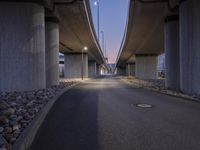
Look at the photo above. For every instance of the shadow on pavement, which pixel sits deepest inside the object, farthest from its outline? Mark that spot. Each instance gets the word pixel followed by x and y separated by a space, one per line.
pixel 72 122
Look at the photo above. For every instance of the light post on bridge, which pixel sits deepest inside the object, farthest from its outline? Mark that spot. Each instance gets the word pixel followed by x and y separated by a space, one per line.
pixel 85 48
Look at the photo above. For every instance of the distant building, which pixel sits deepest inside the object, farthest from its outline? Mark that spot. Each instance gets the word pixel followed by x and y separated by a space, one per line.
pixel 161 66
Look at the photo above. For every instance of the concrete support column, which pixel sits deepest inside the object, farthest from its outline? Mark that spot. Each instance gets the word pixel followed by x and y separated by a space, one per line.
pixel 22 46
pixel 98 69
pixel 172 60
pixel 146 66
pixel 101 70
pixel 190 46
pixel 104 70
pixel 73 63
pixel 130 69
pixel 52 51
pixel 121 71
pixel 92 70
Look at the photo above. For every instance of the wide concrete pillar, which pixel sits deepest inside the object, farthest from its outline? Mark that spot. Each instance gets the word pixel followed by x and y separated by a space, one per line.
pixel 73 65
pixel 172 60
pixel 104 70
pixel 130 69
pixel 52 51
pixel 190 46
pixel 121 71
pixel 92 70
pixel 146 66
pixel 98 69
pixel 22 46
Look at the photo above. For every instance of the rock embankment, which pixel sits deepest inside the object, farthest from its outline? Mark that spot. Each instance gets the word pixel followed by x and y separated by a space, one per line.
pixel 157 85
pixel 17 109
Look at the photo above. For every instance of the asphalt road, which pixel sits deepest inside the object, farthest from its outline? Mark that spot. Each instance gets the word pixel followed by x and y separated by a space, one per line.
pixel 101 114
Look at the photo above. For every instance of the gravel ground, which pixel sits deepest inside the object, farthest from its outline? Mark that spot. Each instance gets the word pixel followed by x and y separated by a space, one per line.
pixel 157 85
pixel 17 109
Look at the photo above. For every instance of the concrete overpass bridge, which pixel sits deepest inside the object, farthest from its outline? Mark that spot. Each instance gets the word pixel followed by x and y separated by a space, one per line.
pixel 32 34
pixel 157 26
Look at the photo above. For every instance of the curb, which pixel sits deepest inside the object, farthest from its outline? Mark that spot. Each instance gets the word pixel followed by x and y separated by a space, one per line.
pixel 160 92
pixel 26 138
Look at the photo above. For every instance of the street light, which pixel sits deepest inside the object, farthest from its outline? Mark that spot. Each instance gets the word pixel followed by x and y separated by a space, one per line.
pixel 85 48
pixel 96 3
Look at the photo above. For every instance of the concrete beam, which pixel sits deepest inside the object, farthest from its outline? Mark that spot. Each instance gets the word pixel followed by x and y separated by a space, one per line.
pixel 73 63
pixel 172 60
pixel 190 46
pixel 22 47
pixel 52 51
pixel 146 66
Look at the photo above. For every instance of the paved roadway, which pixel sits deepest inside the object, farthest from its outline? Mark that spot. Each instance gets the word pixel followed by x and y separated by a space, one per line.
pixel 101 114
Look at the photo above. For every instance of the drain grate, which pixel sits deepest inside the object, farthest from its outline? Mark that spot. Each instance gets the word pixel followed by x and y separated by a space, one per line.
pixel 144 105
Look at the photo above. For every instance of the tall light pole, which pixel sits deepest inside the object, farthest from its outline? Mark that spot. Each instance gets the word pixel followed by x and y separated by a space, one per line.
pixel 85 48
pixel 97 4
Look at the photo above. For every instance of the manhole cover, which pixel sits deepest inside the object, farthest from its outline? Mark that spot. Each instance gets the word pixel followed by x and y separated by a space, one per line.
pixel 144 105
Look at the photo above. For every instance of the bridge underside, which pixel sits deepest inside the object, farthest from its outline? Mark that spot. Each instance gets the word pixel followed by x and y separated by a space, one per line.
pixel 144 32
pixel 155 27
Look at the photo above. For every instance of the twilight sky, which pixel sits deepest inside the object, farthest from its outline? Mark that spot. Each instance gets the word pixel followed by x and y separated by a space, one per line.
pixel 113 14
